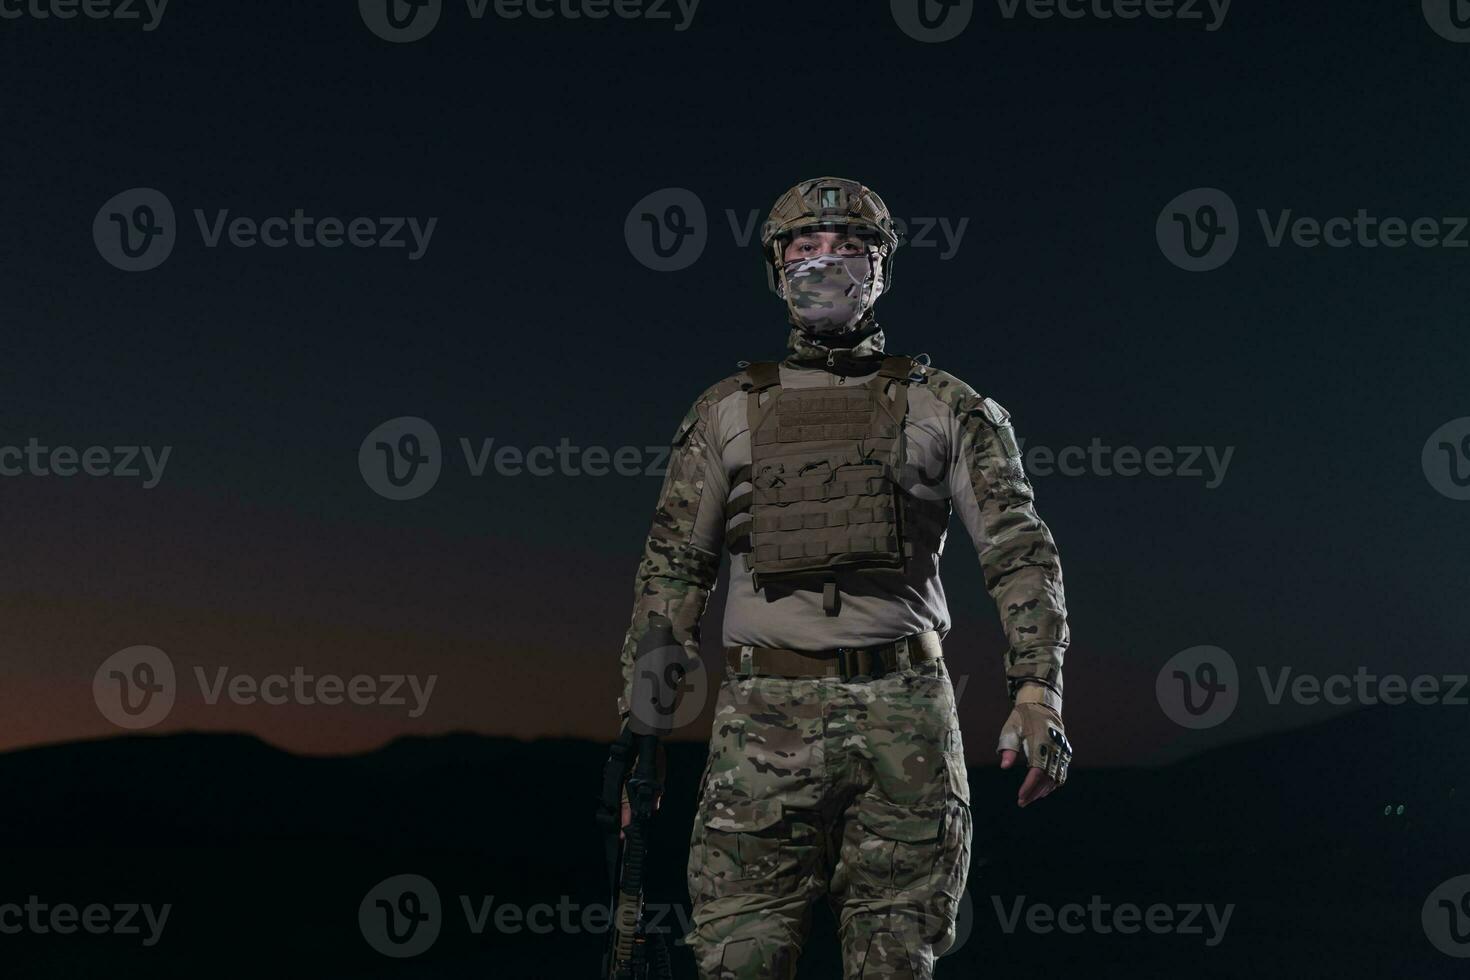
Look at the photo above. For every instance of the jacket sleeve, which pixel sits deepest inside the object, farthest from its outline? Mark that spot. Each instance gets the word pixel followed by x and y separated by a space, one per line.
pixel 1018 557
pixel 681 558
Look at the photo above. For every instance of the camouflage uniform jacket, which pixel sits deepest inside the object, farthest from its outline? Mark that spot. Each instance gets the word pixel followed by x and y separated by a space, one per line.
pixel 961 455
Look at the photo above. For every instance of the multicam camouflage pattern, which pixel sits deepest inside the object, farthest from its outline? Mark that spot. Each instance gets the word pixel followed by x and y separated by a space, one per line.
pixel 827 295
pixel 675 576
pixel 809 349
pixel 1023 572
pixel 828 202
pixel 856 791
pixel 1017 553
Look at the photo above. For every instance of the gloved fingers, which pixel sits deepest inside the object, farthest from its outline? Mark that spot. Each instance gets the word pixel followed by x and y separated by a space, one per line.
pixel 1012 734
pixel 1037 785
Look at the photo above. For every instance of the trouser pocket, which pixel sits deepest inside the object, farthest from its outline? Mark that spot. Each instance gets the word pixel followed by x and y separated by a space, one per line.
pixel 736 842
pixel 913 858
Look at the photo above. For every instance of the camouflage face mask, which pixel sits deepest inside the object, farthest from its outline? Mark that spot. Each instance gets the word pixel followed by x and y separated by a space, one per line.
pixel 829 294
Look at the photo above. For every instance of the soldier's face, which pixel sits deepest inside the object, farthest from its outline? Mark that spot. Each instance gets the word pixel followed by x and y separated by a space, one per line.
pixel 811 244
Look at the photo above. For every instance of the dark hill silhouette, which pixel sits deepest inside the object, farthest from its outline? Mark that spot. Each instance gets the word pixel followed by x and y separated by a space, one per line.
pixel 266 856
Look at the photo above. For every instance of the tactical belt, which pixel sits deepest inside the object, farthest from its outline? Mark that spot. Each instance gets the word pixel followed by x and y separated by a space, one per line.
pixel 848 663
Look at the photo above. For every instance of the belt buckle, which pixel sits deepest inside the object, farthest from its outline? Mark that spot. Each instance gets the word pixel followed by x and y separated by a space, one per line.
pixel 847 661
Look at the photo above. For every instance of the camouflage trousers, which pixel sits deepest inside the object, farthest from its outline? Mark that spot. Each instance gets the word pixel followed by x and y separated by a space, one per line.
pixel 855 791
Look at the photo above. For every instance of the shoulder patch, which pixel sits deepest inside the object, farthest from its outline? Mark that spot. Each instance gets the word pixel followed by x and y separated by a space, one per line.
pixel 707 400
pixel 993 412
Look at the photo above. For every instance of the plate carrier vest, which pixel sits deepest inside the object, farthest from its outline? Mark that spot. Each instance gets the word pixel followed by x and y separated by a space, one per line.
pixel 824 477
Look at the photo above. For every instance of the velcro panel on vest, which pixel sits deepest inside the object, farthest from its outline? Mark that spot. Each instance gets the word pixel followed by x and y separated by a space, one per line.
pixel 823 493
pixel 877 513
pixel 804 417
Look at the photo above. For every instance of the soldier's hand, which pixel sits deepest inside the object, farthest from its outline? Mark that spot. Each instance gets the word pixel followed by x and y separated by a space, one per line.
pixel 627 810
pixel 1037 783
pixel 1034 729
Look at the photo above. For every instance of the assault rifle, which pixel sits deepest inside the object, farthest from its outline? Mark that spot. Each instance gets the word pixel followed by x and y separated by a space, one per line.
pixel 633 952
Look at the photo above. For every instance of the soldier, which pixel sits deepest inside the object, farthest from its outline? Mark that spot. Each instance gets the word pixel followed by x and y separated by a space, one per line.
pixel 835 764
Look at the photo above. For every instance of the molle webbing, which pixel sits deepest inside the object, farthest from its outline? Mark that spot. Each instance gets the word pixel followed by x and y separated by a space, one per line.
pixel 823 468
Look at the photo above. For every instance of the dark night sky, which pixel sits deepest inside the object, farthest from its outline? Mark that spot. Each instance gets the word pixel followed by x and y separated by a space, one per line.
pixel 528 320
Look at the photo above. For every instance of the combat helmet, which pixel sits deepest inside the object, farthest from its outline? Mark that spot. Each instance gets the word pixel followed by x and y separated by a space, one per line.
pixel 828 203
